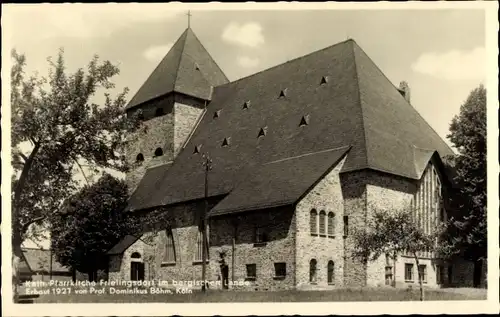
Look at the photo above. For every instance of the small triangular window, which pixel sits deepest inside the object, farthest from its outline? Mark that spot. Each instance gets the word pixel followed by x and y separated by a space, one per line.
pixel 226 142
pixel 196 66
pixel 197 149
pixel 304 121
pixel 324 80
pixel 283 93
pixel 262 132
pixel 216 114
pixel 246 105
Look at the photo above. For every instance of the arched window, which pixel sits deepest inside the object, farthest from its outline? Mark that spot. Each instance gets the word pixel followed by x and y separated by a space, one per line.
pixel 169 248
pixel 139 158
pixel 312 271
pixel 313 221
pixel 331 223
pixel 199 245
pixel 158 152
pixel 159 112
pixel 322 220
pixel 136 255
pixel 331 272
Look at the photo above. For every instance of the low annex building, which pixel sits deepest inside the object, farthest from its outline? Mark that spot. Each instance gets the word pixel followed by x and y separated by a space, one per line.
pixel 300 154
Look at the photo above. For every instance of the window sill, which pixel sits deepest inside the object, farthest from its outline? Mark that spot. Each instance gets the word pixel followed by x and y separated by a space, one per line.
pixel 197 262
pixel 259 244
pixel 331 284
pixel 323 235
pixel 250 279
pixel 314 234
pixel 279 278
pixel 331 237
pixel 313 283
pixel 409 281
pixel 164 264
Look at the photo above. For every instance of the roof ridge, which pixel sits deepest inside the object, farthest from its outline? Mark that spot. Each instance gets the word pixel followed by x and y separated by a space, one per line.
pixel 358 92
pixel 128 107
pixel 180 57
pixel 290 61
pixel 307 154
pixel 406 101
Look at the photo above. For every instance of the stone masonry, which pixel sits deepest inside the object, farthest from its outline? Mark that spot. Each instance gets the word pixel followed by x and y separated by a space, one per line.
pixel 327 196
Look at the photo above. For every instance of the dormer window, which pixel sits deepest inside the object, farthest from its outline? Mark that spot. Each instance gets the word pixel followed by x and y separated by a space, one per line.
pixel 158 152
pixel 196 67
pixel 304 121
pixel 226 142
pixel 283 93
pixel 159 112
pixel 262 132
pixel 217 114
pixel 246 105
pixel 324 80
pixel 197 149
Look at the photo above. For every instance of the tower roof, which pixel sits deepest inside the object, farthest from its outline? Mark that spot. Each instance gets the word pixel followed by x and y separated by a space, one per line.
pixel 187 68
pixel 357 107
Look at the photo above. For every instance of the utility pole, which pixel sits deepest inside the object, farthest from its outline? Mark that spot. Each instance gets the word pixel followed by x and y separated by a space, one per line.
pixel 207 163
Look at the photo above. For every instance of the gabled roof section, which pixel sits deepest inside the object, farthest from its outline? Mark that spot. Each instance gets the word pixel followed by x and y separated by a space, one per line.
pixel 280 182
pixel 187 68
pixel 39 260
pixel 123 244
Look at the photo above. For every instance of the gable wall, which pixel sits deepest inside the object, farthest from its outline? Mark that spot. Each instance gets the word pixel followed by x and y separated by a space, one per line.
pixel 326 195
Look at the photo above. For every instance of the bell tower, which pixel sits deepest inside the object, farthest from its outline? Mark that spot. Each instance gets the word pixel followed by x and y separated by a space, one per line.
pixel 170 103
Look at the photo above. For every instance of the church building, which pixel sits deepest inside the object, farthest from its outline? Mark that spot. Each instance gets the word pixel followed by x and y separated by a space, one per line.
pixel 299 155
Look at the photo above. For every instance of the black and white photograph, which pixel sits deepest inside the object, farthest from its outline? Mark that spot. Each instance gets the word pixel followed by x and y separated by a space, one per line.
pixel 249 154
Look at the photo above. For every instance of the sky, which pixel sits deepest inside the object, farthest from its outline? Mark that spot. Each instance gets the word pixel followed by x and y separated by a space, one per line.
pixel 440 53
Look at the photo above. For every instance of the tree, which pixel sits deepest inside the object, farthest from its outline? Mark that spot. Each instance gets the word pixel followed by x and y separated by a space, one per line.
pixel 90 223
pixel 392 233
pixel 57 129
pixel 467 227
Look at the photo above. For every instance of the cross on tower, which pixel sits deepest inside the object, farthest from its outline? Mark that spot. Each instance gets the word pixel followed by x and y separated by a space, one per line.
pixel 189 18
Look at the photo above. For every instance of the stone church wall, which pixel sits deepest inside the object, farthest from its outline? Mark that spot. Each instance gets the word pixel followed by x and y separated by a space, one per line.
pixel 279 225
pixel 327 196
pixel 119 265
pixel 354 194
pixel 154 132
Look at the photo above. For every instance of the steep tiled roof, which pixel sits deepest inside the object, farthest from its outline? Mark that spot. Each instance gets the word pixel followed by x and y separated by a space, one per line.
pixel 357 107
pixel 187 68
pixel 279 183
pixel 39 260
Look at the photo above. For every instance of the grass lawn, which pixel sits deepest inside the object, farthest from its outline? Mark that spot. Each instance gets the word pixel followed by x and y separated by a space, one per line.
pixel 339 295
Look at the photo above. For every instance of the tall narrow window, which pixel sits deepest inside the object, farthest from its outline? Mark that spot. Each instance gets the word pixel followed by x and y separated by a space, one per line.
pixel 439 274
pixel 313 222
pixel 422 273
pixel 312 271
pixel 331 224
pixel 169 248
pixel 409 272
pixel 388 275
pixel 199 246
pixel 331 272
pixel 322 220
pixel 346 226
